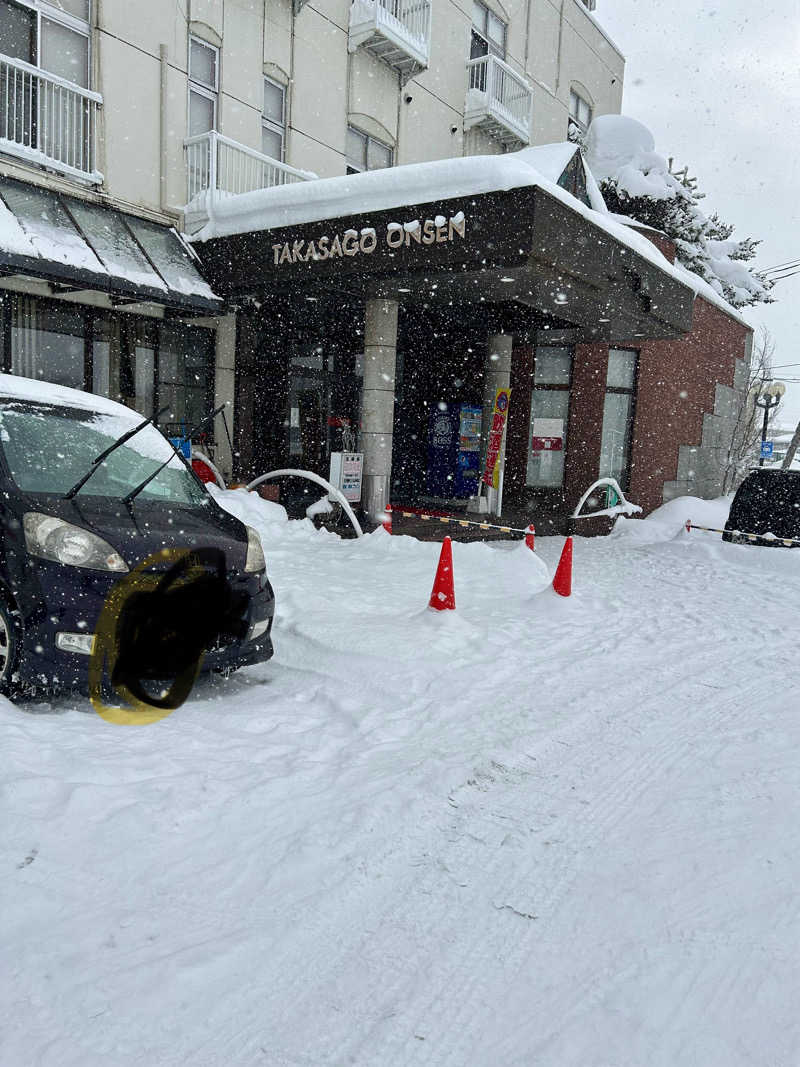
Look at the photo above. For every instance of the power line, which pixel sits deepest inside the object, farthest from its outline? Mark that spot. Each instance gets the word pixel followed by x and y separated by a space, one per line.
pixel 780 266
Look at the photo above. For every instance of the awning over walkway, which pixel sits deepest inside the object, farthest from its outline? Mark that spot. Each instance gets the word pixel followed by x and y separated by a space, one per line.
pixel 79 245
pixel 476 230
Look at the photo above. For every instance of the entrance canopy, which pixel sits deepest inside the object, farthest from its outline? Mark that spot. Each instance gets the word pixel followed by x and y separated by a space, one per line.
pixel 500 230
pixel 78 245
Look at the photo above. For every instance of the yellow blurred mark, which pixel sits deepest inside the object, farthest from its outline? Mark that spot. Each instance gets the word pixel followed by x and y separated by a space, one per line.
pixel 107 647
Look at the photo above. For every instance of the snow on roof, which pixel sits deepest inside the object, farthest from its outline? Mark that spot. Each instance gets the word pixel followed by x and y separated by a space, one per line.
pixel 381 190
pixel 445 179
pixel 35 223
pixel 12 236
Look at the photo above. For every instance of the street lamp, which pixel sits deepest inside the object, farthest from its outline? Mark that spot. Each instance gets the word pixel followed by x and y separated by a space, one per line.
pixel 768 398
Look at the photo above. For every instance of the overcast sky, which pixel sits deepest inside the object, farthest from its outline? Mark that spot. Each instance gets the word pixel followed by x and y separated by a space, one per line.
pixel 718 85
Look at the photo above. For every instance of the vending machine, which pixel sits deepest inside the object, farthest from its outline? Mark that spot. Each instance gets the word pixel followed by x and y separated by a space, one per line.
pixel 454 450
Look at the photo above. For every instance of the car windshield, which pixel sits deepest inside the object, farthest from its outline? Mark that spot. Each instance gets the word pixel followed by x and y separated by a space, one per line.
pixel 49 447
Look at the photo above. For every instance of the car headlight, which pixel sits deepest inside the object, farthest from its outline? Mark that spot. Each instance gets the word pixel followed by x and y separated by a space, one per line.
pixel 255 553
pixel 56 539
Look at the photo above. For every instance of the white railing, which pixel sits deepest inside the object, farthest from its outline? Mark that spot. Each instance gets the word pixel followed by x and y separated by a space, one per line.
pixel 217 164
pixel 47 120
pixel 497 88
pixel 407 23
pixel 410 18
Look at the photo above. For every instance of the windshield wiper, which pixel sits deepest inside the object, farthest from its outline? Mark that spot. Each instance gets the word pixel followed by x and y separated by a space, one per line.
pixel 107 452
pixel 195 429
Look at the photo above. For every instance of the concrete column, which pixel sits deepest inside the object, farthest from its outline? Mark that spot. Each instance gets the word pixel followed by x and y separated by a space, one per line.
pixel 496 375
pixel 377 409
pixel 224 391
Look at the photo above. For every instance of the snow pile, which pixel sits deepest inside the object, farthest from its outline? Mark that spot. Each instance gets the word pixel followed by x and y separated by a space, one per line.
pixel 622 150
pixel 669 521
pixel 636 181
pixel 253 510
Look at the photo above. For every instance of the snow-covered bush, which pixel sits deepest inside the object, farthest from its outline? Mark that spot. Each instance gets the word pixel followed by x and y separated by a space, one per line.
pixel 638 182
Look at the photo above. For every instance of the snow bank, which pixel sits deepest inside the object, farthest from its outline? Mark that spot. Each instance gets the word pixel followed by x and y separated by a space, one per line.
pixel 668 521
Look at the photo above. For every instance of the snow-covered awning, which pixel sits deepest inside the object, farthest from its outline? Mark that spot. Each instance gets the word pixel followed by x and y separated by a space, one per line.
pixel 77 244
pixel 528 231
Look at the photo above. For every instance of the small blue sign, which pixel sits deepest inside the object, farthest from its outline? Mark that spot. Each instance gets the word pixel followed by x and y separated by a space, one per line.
pixel 183 445
pixel 766 449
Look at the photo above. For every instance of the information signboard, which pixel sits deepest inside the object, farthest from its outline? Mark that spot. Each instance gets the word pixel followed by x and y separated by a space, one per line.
pixel 346 473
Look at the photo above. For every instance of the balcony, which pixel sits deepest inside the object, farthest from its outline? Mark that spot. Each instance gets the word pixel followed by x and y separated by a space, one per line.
pixel 396 31
pixel 216 166
pixel 498 100
pixel 48 121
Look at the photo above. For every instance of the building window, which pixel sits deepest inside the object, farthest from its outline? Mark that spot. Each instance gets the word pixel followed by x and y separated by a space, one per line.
pixel 580 114
pixel 37 114
pixel 618 412
pixel 203 86
pixel 51 36
pixel 488 33
pixel 366 153
pixel 185 377
pixel 47 341
pixel 273 122
pixel 549 415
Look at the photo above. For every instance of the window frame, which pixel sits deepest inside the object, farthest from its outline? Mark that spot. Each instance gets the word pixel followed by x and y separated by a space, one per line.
pixel 271 124
pixel 202 88
pixel 43 9
pixel 368 139
pixel 552 387
pixel 575 119
pixel 631 391
pixel 482 32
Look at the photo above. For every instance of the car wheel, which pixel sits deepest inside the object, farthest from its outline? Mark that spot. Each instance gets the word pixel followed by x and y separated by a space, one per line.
pixel 9 646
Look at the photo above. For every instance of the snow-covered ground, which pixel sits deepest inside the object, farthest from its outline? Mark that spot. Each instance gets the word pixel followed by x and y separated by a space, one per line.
pixel 531 832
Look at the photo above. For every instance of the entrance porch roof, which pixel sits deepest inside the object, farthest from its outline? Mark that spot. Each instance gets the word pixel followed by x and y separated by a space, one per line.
pixel 486 229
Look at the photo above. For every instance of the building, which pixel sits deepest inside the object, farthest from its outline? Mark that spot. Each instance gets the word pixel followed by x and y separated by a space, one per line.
pixel 127 128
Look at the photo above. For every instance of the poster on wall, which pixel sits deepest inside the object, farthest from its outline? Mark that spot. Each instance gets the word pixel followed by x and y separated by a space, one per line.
pixel 548 435
pixel 491 475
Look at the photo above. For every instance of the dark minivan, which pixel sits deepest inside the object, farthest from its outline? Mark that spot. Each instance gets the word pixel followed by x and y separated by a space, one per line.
pixel 767 504
pixel 88 491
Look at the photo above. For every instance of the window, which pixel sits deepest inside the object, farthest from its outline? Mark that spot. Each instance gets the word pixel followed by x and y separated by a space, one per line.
pixel 618 410
pixel 580 112
pixel 549 415
pixel 366 153
pixel 51 35
pixel 36 114
pixel 47 341
pixel 273 122
pixel 203 86
pixel 185 376
pixel 488 32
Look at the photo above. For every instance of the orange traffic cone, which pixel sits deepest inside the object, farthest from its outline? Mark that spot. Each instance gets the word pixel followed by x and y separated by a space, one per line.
pixel 443 596
pixel 386 521
pixel 530 537
pixel 562 583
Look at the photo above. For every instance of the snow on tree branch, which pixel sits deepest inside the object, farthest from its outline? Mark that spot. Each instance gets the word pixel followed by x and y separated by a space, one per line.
pixel 638 182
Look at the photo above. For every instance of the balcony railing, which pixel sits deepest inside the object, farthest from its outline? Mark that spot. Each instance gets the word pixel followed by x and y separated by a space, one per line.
pixel 498 99
pixel 396 31
pixel 217 166
pixel 49 121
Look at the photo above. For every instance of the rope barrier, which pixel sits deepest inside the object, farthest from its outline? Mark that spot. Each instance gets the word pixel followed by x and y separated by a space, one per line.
pixel 458 522
pixel 740 533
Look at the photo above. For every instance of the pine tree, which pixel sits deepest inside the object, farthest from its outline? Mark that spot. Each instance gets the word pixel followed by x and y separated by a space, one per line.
pixel 637 182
